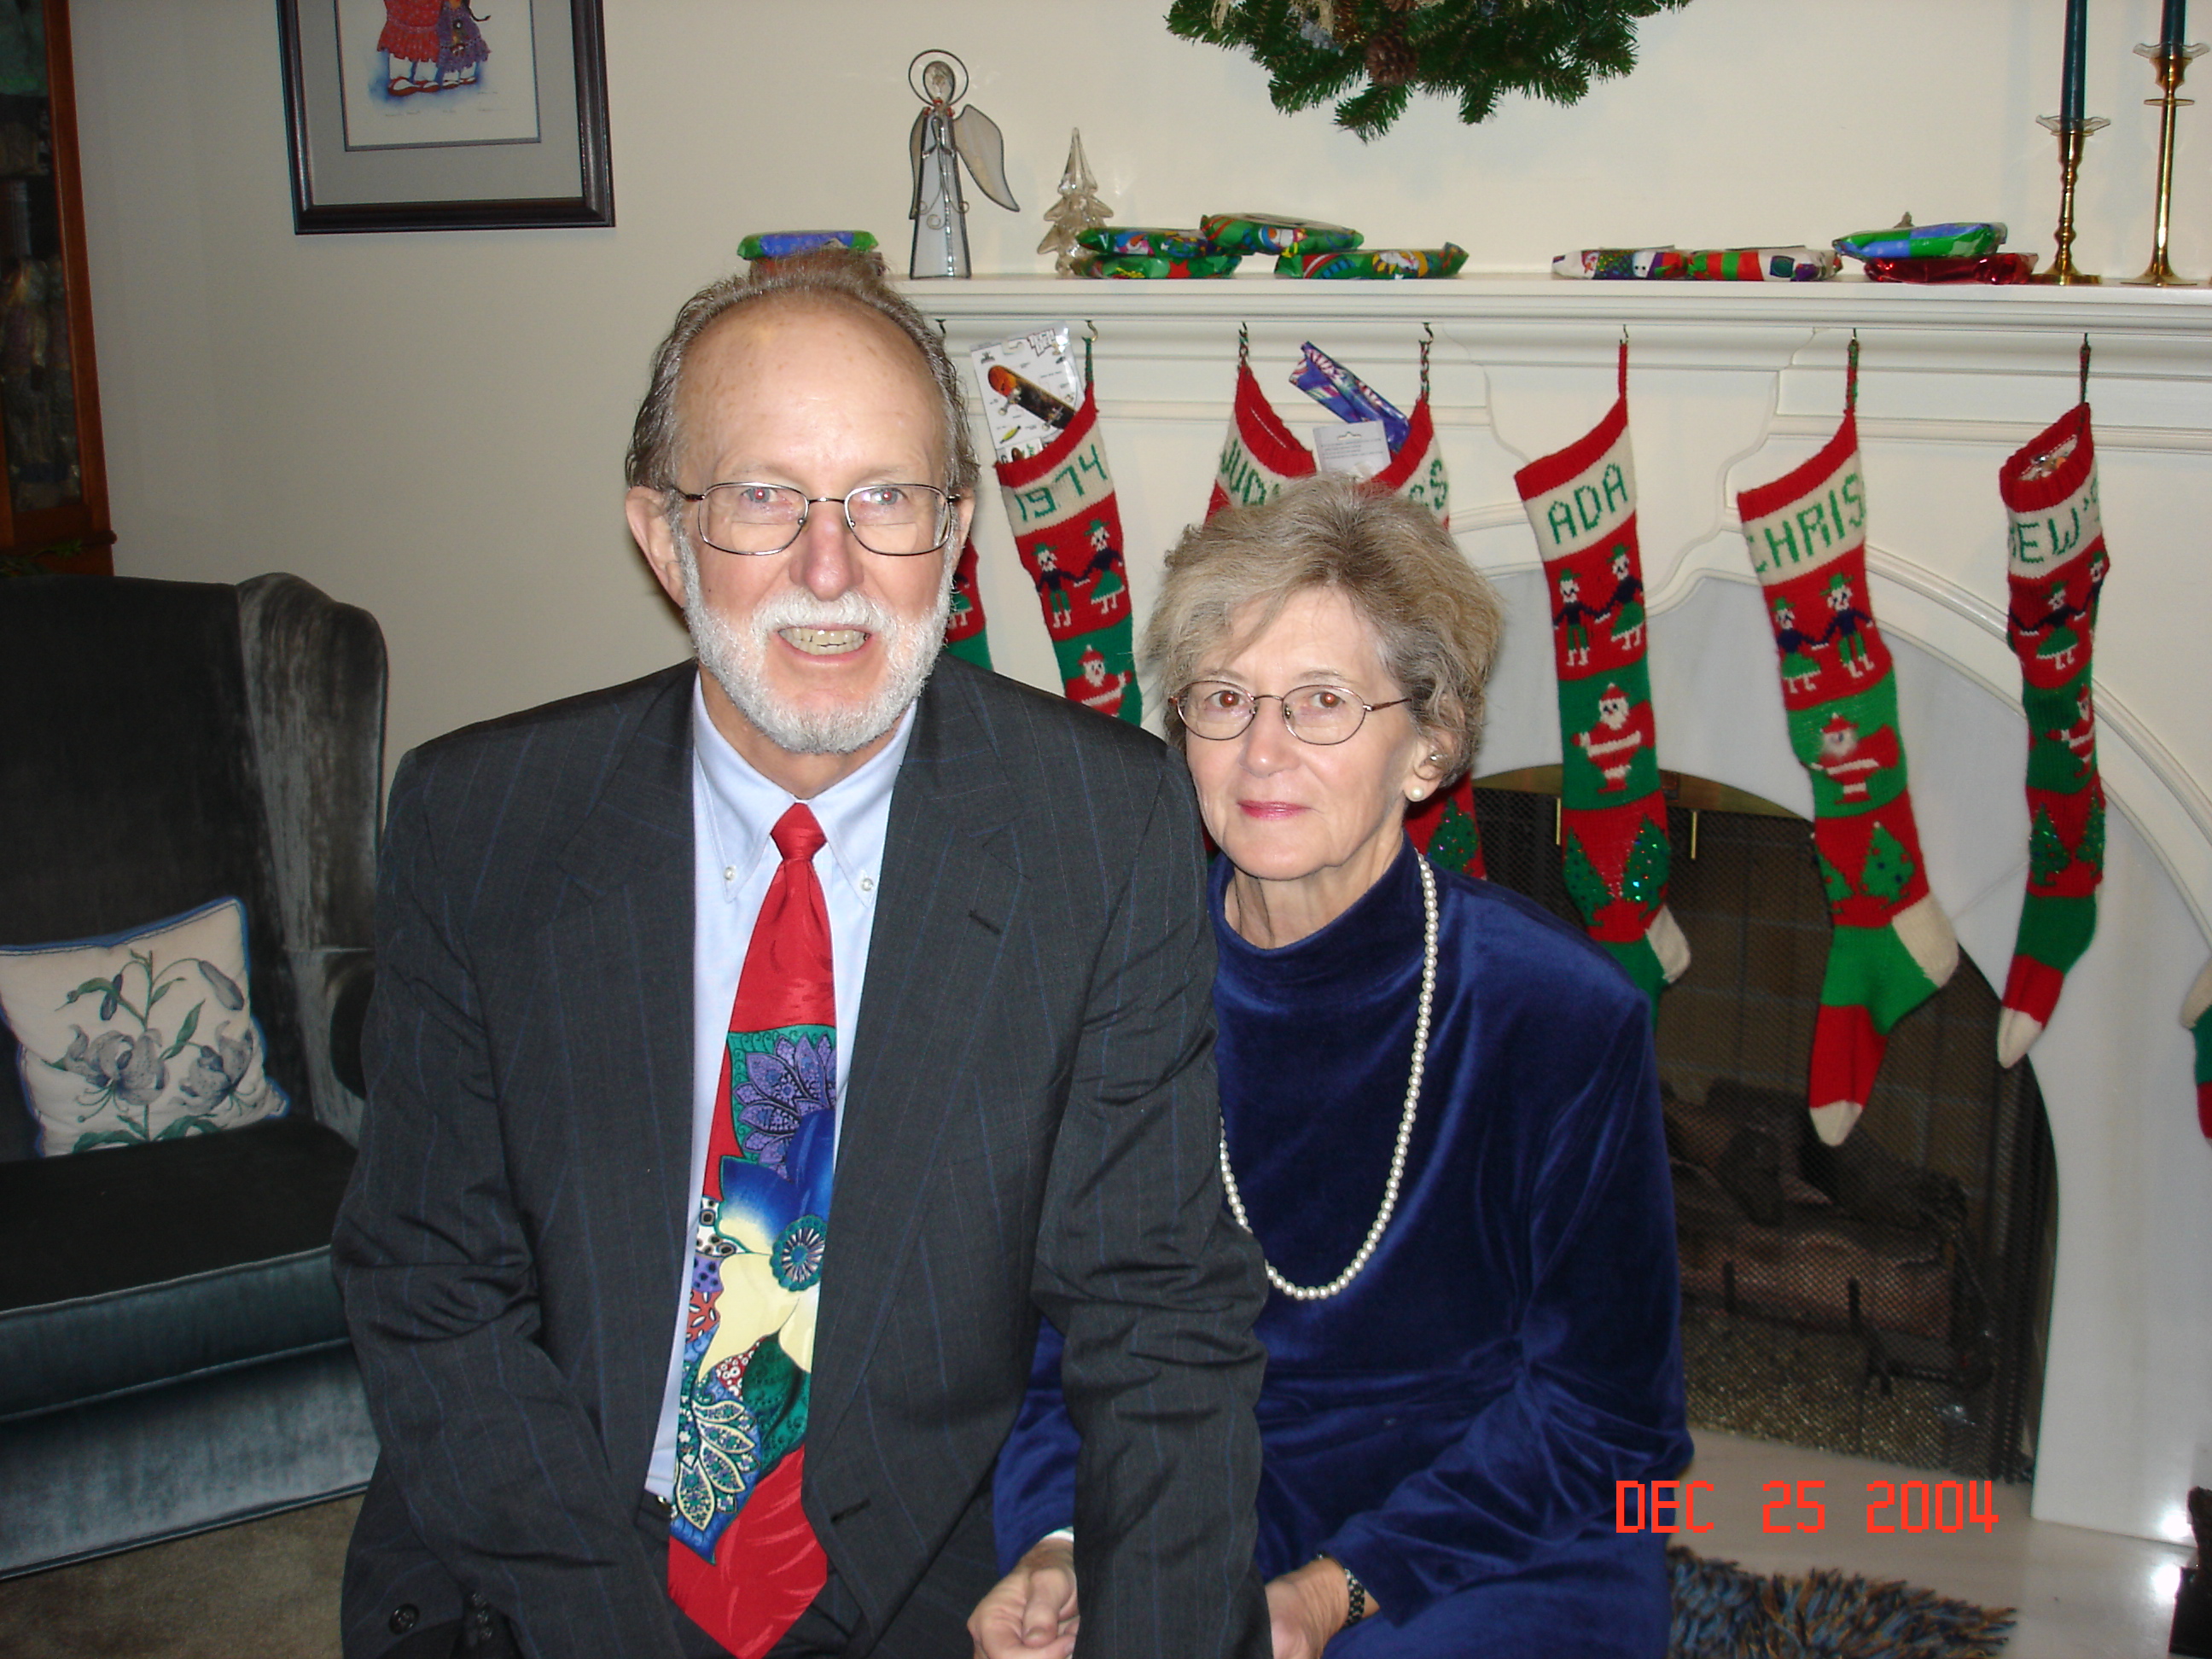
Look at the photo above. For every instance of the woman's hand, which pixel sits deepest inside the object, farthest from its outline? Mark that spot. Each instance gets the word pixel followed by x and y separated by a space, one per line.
pixel 1030 1612
pixel 1306 1607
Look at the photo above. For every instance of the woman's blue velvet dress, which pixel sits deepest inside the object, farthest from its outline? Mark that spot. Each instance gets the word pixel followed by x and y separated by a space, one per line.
pixel 1452 1425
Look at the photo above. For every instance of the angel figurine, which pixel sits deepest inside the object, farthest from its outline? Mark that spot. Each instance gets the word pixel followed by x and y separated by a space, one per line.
pixel 940 141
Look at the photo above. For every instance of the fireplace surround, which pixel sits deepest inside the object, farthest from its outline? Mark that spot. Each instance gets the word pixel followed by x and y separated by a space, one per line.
pixel 1732 385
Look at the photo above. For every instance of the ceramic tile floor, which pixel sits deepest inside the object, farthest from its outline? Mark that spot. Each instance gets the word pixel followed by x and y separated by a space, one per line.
pixel 2079 1594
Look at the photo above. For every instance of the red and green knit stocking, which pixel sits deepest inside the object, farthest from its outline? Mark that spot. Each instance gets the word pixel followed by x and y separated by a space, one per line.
pixel 2197 1019
pixel 2057 569
pixel 964 631
pixel 1067 529
pixel 1444 827
pixel 1894 947
pixel 1261 454
pixel 1582 502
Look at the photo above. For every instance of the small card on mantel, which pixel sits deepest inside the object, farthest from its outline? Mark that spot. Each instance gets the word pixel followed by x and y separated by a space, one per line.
pixel 1360 447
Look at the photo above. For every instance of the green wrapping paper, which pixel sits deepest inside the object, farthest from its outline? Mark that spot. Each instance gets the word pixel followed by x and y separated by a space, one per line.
pixel 1146 240
pixel 1264 232
pixel 1963 240
pixel 1141 266
pixel 1372 264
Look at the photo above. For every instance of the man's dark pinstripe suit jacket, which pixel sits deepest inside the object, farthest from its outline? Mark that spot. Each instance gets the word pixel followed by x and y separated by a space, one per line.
pixel 1029 1123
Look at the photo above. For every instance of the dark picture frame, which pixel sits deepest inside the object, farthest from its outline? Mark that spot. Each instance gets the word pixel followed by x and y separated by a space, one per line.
pixel 556 171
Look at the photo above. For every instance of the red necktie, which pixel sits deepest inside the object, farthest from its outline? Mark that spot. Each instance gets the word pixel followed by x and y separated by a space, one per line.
pixel 743 1561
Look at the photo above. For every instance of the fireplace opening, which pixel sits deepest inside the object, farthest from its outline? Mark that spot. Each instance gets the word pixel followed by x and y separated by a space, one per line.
pixel 1888 1299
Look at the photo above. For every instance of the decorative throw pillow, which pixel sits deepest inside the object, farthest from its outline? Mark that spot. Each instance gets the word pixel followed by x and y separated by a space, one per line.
pixel 147 1035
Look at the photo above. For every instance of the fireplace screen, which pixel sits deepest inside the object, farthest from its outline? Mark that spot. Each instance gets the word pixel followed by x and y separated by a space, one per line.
pixel 1886 1298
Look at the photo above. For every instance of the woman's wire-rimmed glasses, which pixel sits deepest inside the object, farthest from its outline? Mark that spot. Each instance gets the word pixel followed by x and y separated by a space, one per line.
pixel 1323 714
pixel 898 521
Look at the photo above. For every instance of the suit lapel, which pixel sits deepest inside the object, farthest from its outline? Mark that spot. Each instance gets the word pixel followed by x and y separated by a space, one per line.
pixel 949 887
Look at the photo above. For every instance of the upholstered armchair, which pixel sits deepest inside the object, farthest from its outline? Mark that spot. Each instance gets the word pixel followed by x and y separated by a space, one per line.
pixel 181 760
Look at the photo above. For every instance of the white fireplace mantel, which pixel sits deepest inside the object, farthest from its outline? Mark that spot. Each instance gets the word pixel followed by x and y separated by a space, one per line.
pixel 1730 385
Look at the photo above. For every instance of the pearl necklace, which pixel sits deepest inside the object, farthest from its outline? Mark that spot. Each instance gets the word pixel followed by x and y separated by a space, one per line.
pixel 1321 1293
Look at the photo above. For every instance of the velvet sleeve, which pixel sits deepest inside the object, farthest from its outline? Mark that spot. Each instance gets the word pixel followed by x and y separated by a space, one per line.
pixel 1598 1397
pixel 1033 1489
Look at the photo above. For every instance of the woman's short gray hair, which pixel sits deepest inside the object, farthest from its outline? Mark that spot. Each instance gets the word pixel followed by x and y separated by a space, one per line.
pixel 831 277
pixel 1435 617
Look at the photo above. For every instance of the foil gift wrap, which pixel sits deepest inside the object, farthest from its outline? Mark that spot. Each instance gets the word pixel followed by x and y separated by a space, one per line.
pixel 1759 264
pixel 1995 268
pixel 1345 395
pixel 1149 240
pixel 1140 266
pixel 1964 239
pixel 1266 233
pixel 783 244
pixel 1373 264
pixel 1618 264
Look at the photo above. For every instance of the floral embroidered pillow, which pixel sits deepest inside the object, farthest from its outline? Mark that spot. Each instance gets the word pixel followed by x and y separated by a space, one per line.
pixel 143 1036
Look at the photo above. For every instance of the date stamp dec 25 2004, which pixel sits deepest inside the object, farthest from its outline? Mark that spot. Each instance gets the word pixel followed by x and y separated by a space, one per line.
pixel 1803 1506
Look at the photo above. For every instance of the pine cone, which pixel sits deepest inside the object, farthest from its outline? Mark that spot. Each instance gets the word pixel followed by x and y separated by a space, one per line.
pixel 1390 59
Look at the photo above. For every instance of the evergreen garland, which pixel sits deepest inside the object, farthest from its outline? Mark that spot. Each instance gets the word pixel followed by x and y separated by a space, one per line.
pixel 1473 51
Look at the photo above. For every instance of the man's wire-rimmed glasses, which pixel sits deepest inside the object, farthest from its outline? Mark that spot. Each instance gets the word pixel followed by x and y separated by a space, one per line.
pixel 898 521
pixel 1322 714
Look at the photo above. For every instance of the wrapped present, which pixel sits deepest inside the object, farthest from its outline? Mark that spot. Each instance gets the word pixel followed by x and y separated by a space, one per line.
pixel 1264 232
pixel 1373 264
pixel 1140 265
pixel 1146 241
pixel 1345 395
pixel 770 245
pixel 1620 265
pixel 1963 240
pixel 1759 264
pixel 1999 268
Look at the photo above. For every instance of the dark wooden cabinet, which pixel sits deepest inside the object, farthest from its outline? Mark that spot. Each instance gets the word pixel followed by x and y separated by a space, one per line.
pixel 53 510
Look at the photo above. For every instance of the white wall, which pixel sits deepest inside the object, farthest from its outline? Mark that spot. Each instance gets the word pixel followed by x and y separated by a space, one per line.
pixel 431 425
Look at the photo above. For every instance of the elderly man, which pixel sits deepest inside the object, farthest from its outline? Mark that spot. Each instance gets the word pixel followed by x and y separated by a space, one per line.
pixel 756 1052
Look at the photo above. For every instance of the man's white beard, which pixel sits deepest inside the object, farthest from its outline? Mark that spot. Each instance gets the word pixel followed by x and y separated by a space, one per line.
pixel 737 659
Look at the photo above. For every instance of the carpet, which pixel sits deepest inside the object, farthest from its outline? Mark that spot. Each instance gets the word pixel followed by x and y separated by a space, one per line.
pixel 1721 1612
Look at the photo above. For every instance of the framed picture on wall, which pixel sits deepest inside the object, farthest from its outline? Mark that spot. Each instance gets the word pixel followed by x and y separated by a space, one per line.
pixel 445 114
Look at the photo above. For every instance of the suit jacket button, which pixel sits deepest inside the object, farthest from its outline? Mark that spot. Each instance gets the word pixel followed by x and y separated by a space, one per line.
pixel 404 1618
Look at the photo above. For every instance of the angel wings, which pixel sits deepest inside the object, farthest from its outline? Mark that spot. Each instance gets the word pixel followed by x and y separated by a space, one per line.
pixel 939 141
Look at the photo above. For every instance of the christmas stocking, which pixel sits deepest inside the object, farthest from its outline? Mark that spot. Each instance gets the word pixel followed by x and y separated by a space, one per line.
pixel 1894 947
pixel 1067 529
pixel 964 629
pixel 1445 828
pixel 2057 569
pixel 1582 502
pixel 1262 455
pixel 2197 1018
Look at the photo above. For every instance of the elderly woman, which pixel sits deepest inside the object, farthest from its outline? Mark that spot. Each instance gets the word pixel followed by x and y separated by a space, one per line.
pixel 1440 1122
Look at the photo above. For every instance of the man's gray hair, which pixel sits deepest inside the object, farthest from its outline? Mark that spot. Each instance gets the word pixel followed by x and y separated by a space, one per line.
pixel 831 277
pixel 1435 617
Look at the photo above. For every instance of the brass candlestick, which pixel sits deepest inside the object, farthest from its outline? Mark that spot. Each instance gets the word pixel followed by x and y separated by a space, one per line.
pixel 2072 135
pixel 2171 65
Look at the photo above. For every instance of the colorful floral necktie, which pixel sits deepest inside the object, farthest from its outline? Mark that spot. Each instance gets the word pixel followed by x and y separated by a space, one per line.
pixel 742 1562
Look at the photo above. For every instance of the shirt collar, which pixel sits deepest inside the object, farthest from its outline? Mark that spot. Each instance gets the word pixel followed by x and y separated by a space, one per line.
pixel 854 812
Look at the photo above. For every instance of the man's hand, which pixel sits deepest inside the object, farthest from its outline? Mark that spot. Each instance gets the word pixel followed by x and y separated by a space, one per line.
pixel 1030 1612
pixel 1306 1607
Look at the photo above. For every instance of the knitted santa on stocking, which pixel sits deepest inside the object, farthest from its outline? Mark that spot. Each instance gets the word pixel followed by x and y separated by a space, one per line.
pixel 1262 455
pixel 1582 502
pixel 2057 569
pixel 1067 529
pixel 1894 947
pixel 964 629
